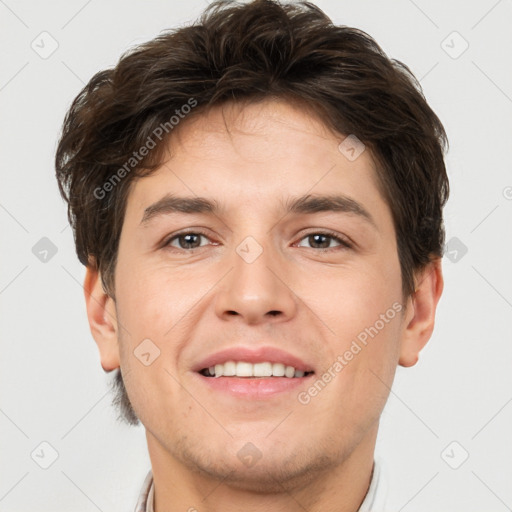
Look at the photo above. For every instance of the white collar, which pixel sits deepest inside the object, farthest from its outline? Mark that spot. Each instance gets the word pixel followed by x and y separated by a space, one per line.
pixel 375 499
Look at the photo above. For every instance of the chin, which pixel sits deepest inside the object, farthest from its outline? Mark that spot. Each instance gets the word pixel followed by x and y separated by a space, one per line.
pixel 266 471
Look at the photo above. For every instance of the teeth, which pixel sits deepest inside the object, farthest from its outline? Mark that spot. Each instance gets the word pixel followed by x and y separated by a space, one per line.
pixel 289 371
pixel 262 369
pixel 278 370
pixel 245 369
pixel 242 369
pixel 229 369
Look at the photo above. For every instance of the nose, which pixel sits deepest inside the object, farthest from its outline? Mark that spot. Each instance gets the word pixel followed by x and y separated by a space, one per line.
pixel 256 292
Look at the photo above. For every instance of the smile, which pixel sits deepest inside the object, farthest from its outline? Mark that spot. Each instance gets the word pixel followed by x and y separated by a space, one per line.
pixel 250 370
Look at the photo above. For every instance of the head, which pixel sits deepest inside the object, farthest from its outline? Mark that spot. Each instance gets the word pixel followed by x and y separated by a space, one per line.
pixel 260 178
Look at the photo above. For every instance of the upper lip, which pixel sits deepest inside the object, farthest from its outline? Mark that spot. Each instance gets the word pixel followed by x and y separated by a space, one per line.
pixel 251 355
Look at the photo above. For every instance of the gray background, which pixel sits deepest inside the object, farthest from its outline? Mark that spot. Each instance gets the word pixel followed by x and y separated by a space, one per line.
pixel 53 389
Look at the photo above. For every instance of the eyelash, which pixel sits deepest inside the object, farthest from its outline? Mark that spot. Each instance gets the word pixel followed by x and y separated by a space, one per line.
pixel 344 243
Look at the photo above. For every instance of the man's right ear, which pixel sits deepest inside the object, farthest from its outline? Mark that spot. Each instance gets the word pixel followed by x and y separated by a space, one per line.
pixel 101 313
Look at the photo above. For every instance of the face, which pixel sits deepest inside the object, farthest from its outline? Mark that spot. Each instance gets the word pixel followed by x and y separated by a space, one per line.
pixel 258 241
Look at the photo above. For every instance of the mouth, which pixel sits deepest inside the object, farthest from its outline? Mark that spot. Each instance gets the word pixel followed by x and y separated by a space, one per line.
pixel 246 373
pixel 260 370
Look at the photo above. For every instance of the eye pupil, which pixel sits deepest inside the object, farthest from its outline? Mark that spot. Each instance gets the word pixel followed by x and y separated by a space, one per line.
pixel 190 240
pixel 322 241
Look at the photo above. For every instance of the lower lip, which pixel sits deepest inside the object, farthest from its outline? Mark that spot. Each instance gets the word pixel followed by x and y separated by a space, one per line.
pixel 262 387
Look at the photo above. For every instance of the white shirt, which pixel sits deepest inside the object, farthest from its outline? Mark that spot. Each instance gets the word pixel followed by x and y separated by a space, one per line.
pixel 373 502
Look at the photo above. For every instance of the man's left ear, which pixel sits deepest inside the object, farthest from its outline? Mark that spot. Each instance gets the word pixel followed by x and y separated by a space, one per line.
pixel 421 312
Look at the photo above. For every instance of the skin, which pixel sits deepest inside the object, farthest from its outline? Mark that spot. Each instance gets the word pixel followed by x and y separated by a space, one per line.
pixel 192 303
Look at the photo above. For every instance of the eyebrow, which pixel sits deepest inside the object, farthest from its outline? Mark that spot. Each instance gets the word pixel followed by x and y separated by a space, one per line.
pixel 172 204
pixel 329 203
pixel 300 205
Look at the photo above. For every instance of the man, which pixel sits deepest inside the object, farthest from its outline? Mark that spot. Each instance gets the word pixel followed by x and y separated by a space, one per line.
pixel 258 201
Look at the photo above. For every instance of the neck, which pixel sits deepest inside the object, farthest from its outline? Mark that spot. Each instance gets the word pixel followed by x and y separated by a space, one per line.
pixel 343 487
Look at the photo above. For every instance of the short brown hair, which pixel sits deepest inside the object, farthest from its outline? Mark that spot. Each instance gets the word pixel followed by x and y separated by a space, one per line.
pixel 249 52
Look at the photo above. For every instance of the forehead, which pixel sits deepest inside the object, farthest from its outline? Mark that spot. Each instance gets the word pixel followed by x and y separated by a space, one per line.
pixel 256 154
pixel 256 133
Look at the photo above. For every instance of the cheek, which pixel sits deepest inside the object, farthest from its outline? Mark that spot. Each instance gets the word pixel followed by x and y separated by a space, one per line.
pixel 369 345
pixel 348 301
pixel 361 310
pixel 150 297
pixel 147 360
pixel 364 360
pixel 159 304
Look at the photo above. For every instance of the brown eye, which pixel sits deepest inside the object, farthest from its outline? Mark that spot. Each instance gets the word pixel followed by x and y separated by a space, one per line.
pixel 323 241
pixel 186 241
pixel 319 241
